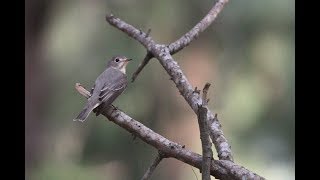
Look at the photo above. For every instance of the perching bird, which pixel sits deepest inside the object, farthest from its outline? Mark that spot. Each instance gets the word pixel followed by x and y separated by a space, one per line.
pixel 108 86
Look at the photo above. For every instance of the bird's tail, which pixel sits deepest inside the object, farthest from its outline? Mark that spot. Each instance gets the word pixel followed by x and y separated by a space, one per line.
pixel 85 113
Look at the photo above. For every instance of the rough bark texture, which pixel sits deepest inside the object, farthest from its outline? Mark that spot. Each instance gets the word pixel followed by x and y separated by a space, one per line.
pixel 219 168
pixel 205 141
pixel 224 168
pixel 162 53
pixel 219 140
pixel 204 136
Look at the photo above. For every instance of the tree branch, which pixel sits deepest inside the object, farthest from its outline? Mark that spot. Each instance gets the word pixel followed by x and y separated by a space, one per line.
pixel 220 141
pixel 186 39
pixel 162 53
pixel 153 166
pixel 138 35
pixel 223 168
pixel 133 32
pixel 220 169
pixel 142 65
pixel 82 90
pixel 174 47
pixel 193 99
pixel 204 135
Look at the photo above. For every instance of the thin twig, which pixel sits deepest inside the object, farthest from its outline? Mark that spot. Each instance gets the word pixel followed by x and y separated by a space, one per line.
pixel 148 33
pixel 219 169
pixel 150 170
pixel 187 38
pixel 142 65
pixel 204 135
pixel 194 173
pixel 196 90
pixel 205 94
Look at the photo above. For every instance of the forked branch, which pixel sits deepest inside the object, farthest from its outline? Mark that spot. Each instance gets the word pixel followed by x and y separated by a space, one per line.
pixel 219 168
pixel 224 168
pixel 162 53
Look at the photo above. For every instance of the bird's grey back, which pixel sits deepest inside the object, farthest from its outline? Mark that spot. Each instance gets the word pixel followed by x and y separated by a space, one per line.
pixel 111 78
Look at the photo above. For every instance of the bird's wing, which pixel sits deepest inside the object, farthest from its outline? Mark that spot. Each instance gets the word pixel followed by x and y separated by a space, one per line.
pixel 111 90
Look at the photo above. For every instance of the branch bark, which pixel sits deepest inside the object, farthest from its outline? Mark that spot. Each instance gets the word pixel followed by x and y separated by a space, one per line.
pixel 150 170
pixel 224 168
pixel 131 31
pixel 220 141
pixel 193 99
pixel 142 65
pixel 219 168
pixel 162 53
pixel 174 47
pixel 187 38
pixel 204 135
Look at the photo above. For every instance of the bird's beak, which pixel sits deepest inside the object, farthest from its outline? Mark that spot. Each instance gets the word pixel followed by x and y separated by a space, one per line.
pixel 127 60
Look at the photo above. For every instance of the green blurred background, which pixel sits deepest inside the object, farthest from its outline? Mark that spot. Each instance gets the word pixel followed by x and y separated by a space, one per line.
pixel 247 55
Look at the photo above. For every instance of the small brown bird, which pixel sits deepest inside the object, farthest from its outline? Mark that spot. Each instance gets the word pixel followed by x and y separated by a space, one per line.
pixel 108 86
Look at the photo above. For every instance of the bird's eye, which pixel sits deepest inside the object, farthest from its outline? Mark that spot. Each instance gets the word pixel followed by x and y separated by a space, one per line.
pixel 117 60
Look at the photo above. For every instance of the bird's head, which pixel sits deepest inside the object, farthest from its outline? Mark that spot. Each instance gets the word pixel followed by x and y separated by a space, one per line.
pixel 119 62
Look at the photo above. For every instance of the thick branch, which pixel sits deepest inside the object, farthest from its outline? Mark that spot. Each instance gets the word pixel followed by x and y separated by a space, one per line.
pixel 162 53
pixel 174 47
pixel 219 169
pixel 186 39
pixel 193 99
pixel 153 166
